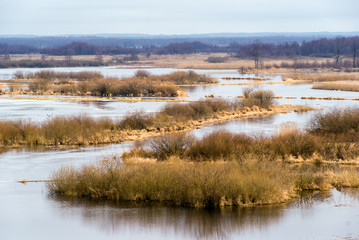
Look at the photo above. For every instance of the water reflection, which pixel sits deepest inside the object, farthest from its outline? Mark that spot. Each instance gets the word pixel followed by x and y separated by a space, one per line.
pixel 184 223
pixel 265 222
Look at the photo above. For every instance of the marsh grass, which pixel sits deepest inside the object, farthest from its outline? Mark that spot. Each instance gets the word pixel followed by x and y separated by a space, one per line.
pixel 291 144
pixel 338 122
pixel 197 184
pixel 143 84
pixel 71 130
pixel 82 129
pixel 260 98
pixel 338 85
pixel 200 109
pixel 185 78
pixel 324 77
pixel 178 183
pixel 136 120
pixel 226 146
pixel 220 145
pixel 170 145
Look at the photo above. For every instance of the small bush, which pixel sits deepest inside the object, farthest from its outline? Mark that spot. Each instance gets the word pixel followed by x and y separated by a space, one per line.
pixel 217 59
pixel 170 145
pixel 142 73
pixel 46 75
pixel 293 142
pixel 19 74
pixel 338 122
pixel 39 85
pixel 260 98
pixel 136 120
pixel 220 145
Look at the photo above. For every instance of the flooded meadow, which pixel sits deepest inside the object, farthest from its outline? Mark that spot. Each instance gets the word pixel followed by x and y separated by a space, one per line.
pixel 28 211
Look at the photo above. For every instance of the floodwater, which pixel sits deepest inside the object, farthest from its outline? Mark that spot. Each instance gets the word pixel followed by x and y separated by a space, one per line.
pixel 27 211
pixel 40 110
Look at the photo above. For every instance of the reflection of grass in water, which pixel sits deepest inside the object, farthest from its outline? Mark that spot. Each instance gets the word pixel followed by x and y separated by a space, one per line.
pixel 189 223
pixel 122 217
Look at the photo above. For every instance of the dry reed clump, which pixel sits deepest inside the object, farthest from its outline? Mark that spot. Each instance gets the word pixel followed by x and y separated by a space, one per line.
pixel 52 75
pixel 226 146
pixel 92 83
pixel 166 146
pixel 338 85
pixel 347 177
pixel 177 183
pixel 290 144
pixel 220 145
pixel 185 78
pixel 324 77
pixel 136 120
pixel 291 141
pixel 309 177
pixel 260 98
pixel 338 122
pixel 75 130
pixel 198 184
pixel 195 110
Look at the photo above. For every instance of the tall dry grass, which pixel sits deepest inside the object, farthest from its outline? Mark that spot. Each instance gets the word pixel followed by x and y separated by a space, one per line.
pixel 143 84
pixel 336 121
pixel 176 183
pixel 67 130
pixel 318 143
pixel 260 98
pixel 338 85
pixel 203 184
pixel 325 77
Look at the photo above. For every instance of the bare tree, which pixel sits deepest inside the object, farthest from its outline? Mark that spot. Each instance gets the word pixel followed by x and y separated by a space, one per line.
pixel 99 57
pixel 43 57
pixel 339 49
pixel 6 57
pixel 255 53
pixel 354 49
pixel 68 58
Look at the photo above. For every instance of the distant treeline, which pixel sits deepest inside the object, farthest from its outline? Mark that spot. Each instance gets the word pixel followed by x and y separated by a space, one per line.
pixel 50 63
pixel 323 47
pixel 140 40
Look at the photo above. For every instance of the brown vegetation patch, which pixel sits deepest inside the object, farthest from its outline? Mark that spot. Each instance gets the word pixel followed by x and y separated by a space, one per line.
pixel 323 77
pixel 84 130
pixel 143 84
pixel 204 184
pixel 338 85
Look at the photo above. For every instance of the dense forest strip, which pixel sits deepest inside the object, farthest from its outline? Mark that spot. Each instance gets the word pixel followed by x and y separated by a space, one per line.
pixel 323 47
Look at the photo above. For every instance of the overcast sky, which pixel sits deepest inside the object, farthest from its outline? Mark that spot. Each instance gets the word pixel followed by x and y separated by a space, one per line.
pixel 54 17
